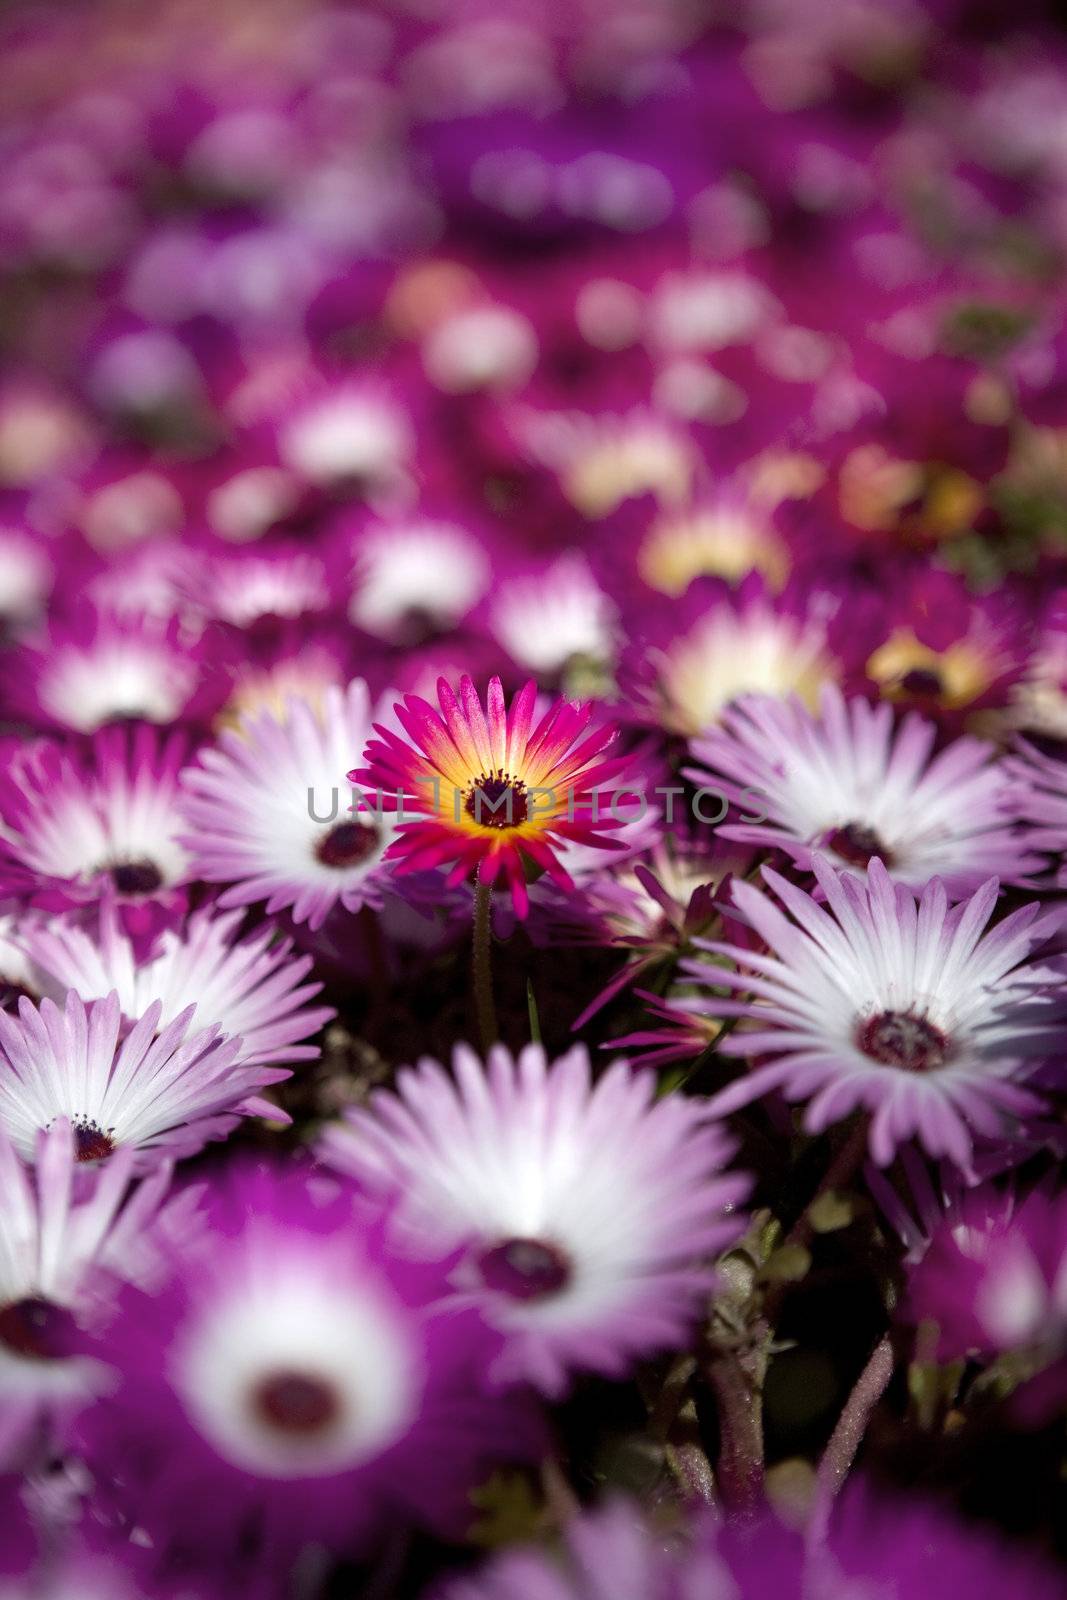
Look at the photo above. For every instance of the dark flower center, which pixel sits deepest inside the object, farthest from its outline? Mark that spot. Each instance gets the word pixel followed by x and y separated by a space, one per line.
pixel 857 844
pixel 296 1402
pixel 91 1143
pixel 524 1269
pixel 36 1328
pixel 136 877
pixel 923 682
pixel 902 1039
pixel 11 994
pixel 347 845
pixel 497 800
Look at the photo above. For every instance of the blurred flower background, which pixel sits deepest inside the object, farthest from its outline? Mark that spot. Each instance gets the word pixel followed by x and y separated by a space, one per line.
pixel 533 799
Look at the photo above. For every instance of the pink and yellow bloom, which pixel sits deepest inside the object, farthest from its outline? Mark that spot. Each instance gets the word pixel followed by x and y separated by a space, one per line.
pixel 493 791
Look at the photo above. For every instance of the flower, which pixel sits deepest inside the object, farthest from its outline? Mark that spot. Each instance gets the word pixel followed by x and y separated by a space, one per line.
pixel 289 1366
pixel 96 825
pixel 589 1214
pixel 940 648
pixel 1041 802
pixel 480 347
pixel 162 1091
pixel 344 432
pixel 261 810
pixel 242 589
pixel 546 619
pixel 249 988
pixel 993 1277
pixel 906 1008
pixel 851 784
pixel 26 575
pixel 604 460
pixel 497 791
pixel 1039 699
pixel 64 1234
pixel 408 570
pixel 108 665
pixel 734 646
pixel 726 537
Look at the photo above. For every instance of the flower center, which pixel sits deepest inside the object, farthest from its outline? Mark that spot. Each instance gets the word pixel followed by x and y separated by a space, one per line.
pixel 36 1328
pixel 923 682
pixel 497 800
pixel 91 1142
pixel 347 845
pixel 11 993
pixel 136 877
pixel 296 1402
pixel 525 1269
pixel 902 1039
pixel 857 844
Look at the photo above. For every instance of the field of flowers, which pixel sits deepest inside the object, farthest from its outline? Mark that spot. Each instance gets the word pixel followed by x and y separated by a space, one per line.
pixel 533 800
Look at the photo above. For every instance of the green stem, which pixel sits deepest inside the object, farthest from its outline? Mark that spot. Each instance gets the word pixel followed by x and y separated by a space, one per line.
pixel 483 975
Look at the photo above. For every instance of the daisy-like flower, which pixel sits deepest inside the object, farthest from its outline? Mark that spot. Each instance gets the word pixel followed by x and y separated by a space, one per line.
pixel 16 974
pixel 547 619
pixel 495 791
pixel 241 589
pixel 263 812
pixel 26 576
pixel 728 537
pixel 411 571
pixel 1042 803
pixel 157 1090
pixel 64 1233
pixel 251 988
pixel 296 671
pixel 345 432
pixel 96 826
pixel 106 666
pixel 993 1274
pixel 852 784
pixel 603 461
pixel 588 1214
pixel 292 1371
pixel 707 310
pixel 734 647
pixel 1040 697
pixel 911 1010
pixel 480 347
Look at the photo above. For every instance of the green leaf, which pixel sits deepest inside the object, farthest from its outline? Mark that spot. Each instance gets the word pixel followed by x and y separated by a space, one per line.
pixel 511 1511
pixel 531 1008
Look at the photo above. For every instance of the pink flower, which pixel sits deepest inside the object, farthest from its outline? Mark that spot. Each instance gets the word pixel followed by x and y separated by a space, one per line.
pixel 497 793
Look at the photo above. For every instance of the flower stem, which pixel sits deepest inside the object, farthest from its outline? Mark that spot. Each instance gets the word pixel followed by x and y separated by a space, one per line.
pixel 848 1434
pixel 483 975
pixel 736 1380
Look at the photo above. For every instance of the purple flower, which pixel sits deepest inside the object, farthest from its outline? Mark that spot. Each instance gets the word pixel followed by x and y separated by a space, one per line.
pixel 695 661
pixel 850 783
pixel 250 988
pixel 589 1214
pixel 993 1277
pixel 67 1237
pixel 98 825
pixel 161 1091
pixel 911 1010
pixel 289 1368
pixel 1041 801
pixel 268 813
pixel 413 570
